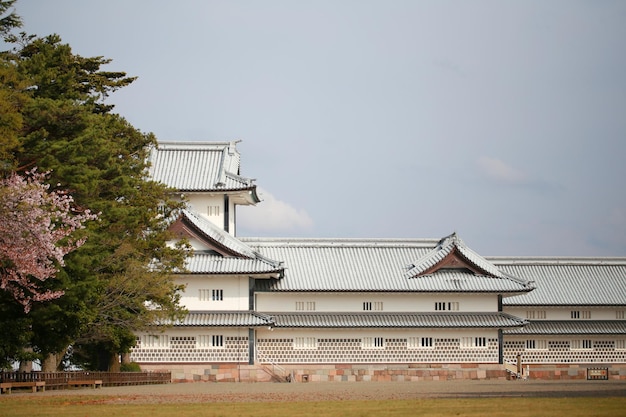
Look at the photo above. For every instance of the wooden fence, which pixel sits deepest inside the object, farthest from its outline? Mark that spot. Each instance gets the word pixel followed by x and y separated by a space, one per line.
pixel 56 380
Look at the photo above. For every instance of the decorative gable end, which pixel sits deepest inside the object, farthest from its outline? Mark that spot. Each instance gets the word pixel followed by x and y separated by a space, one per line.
pixel 452 255
pixel 455 260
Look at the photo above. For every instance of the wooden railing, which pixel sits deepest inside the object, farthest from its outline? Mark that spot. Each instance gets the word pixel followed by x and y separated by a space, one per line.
pixel 61 379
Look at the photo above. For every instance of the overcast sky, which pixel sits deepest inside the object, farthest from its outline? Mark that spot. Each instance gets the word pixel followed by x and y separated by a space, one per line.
pixel 504 121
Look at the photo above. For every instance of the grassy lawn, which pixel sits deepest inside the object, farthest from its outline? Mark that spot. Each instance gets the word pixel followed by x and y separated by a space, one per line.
pixel 32 406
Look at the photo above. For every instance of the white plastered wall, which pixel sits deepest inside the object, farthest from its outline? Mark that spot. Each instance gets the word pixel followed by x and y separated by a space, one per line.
pixel 395 302
pixel 235 290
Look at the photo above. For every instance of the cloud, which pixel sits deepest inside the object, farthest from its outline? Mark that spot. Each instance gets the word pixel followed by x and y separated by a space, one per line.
pixel 273 215
pixel 499 171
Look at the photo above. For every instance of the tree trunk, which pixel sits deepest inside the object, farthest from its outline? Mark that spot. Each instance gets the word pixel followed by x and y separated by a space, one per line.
pixel 114 363
pixel 51 362
pixel 26 366
pixel 125 358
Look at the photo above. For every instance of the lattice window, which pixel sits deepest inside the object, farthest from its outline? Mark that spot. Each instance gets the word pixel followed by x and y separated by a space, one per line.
pixel 213 210
pixel 620 344
pixel 305 305
pixel 373 343
pixel 373 305
pixel 532 344
pixel 155 341
pixel 217 295
pixel 536 314
pixel 446 306
pixel 474 342
pixel 420 343
pixel 305 343
pixel 210 341
pixel 577 314
pixel 581 344
pixel 204 294
pixel 620 314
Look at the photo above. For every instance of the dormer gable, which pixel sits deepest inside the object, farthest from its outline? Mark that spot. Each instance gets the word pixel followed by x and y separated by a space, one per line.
pixel 452 255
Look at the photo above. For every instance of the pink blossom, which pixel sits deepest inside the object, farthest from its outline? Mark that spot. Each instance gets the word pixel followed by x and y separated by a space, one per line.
pixel 36 227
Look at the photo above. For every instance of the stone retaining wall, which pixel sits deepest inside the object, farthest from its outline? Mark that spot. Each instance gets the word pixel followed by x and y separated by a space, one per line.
pixel 232 372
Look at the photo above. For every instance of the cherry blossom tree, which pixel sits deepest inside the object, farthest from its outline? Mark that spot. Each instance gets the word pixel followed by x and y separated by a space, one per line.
pixel 36 231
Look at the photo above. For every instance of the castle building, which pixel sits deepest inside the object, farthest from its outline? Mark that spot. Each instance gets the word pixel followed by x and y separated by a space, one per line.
pixel 265 309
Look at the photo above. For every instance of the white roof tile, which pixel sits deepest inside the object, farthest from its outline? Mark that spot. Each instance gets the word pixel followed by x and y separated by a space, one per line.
pixel 579 327
pixel 367 265
pixel 198 166
pixel 396 320
pixel 569 281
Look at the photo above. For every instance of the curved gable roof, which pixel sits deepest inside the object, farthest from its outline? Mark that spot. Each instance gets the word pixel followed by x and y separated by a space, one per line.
pixel 451 254
pixel 234 256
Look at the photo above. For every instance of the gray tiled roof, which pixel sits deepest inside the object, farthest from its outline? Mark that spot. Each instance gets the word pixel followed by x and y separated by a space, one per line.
pixel 249 261
pixel 198 166
pixel 580 327
pixel 210 263
pixel 397 320
pixel 223 318
pixel 451 244
pixel 375 265
pixel 569 281
pixel 218 235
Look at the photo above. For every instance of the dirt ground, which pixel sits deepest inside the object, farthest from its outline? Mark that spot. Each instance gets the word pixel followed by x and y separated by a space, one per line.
pixel 328 391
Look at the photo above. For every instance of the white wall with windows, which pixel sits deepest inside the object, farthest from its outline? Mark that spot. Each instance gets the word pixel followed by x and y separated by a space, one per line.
pixel 567 313
pixel 390 302
pixel 217 293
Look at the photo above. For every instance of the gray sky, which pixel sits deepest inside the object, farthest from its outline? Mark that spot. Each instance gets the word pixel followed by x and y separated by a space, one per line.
pixel 504 121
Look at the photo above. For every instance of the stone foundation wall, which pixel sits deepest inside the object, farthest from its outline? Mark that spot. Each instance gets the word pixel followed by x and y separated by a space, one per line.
pixel 574 371
pixel 232 372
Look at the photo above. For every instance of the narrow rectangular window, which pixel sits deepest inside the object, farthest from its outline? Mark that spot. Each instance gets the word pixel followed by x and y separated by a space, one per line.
pixel 541 315
pixel 467 342
pixel 578 344
pixel 373 343
pixel 480 342
pixel 155 341
pixel 310 305
pixel 620 344
pixel 446 306
pixel 419 342
pixel 620 314
pixel 217 340
pixel 204 294
pixel 299 305
pixel 305 343
pixel 585 315
pixel 575 314
pixel 213 210
pixel 531 344
pixel 367 305
pixel 217 295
